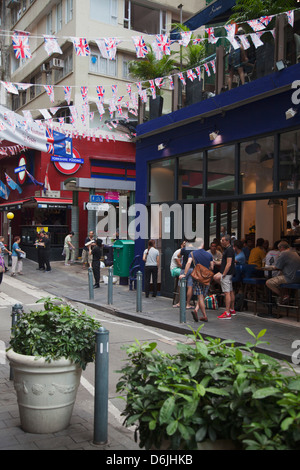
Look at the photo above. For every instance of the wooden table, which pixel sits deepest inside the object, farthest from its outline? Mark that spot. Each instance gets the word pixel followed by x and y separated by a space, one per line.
pixel 270 270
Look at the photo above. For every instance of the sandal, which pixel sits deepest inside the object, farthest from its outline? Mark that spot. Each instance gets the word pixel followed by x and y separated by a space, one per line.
pixel 195 315
pixel 203 319
pixel 177 305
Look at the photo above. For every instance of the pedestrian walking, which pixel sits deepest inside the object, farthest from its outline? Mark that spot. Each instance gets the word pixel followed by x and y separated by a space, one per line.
pixel 2 264
pixel 151 259
pixel 17 263
pixel 86 256
pixel 224 277
pixel 95 250
pixel 39 247
pixel 46 252
pixel 69 249
pixel 3 251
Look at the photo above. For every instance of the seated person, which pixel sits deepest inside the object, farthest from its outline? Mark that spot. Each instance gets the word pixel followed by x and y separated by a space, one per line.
pixel 296 227
pixel 257 254
pixel 288 262
pixel 271 257
pixel 175 265
pixel 240 257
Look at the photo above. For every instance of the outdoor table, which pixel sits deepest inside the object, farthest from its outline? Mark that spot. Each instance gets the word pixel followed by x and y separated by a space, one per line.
pixel 270 270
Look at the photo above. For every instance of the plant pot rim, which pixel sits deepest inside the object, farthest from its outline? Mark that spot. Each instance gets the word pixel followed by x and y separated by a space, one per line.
pixel 37 361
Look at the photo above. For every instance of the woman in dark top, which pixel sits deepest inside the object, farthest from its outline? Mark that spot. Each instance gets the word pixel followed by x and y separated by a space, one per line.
pixel 96 255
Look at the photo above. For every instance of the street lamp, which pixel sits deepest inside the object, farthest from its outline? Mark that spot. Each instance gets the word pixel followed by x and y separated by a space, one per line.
pixel 10 216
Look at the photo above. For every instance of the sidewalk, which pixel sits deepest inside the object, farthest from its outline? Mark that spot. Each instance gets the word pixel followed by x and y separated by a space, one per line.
pixel 71 282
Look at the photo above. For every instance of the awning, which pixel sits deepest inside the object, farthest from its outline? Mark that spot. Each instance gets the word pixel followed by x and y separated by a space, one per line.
pixel 217 11
pixel 40 202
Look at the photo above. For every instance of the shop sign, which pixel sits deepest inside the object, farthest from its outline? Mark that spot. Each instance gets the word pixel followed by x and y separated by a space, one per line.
pixel 111 196
pixel 21 169
pixel 93 206
pixel 66 165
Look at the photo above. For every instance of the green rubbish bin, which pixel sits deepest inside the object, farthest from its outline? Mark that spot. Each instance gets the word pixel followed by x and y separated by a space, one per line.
pixel 123 256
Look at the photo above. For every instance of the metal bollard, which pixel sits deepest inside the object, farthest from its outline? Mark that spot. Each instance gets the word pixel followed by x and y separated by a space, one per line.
pixel 91 288
pixel 101 387
pixel 16 312
pixel 139 286
pixel 183 300
pixel 110 287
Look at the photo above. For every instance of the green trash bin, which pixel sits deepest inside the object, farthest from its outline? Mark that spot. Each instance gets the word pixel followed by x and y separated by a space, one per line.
pixel 123 257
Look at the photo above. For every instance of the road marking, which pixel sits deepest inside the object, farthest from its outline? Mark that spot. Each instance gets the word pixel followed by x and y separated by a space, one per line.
pixel 7 299
pixel 22 286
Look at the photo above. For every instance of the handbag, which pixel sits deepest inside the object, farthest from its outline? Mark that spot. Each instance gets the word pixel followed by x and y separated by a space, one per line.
pixel 201 274
pixel 2 265
pixel 211 302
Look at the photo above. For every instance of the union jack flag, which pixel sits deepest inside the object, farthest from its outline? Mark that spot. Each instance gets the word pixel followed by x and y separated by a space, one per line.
pixel 100 93
pixel 191 75
pixel 163 43
pixel 180 75
pixel 159 82
pixel 128 89
pixel 171 82
pixel 140 46
pixel 153 89
pixel 211 35
pixel 114 90
pixel 50 140
pixel 212 62
pixel 50 92
pixel 84 93
pixel 111 47
pixel 256 25
pixel 51 45
pixel 198 70
pixel 266 20
pixel 20 43
pixel 185 38
pixel 81 46
pixel 290 15
pixel 207 69
pixel 67 90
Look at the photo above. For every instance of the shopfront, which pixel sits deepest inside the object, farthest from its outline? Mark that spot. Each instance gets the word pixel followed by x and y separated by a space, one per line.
pixel 236 154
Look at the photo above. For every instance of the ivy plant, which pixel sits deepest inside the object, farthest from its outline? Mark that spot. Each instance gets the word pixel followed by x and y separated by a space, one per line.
pixel 60 330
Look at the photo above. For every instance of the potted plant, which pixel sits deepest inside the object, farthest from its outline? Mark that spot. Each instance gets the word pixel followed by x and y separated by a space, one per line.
pixel 48 350
pixel 210 393
pixel 150 68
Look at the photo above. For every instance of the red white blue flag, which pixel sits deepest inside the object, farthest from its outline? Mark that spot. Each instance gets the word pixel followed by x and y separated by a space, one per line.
pixel 140 46
pixel 20 41
pixel 50 92
pixel 81 46
pixel 51 45
pixel 84 93
pixel 67 90
pixel 100 93
pixel 163 43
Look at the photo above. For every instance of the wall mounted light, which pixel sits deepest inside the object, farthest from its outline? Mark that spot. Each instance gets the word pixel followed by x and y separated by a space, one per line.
pixel 290 113
pixel 161 147
pixel 213 135
pixel 280 65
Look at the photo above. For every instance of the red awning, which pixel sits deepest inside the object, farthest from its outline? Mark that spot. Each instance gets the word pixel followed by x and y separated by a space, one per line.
pixel 41 202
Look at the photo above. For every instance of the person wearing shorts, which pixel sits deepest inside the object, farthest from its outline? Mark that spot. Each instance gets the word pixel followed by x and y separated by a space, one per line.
pixel 224 277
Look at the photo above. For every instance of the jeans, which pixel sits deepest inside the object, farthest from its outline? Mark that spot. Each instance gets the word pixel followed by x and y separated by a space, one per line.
pixel 151 270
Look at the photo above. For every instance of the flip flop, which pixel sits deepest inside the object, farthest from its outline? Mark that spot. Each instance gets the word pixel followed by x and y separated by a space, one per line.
pixel 188 308
pixel 203 319
pixel 195 315
pixel 177 305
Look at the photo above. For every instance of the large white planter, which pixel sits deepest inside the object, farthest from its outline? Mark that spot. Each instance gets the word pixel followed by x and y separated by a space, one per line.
pixel 46 391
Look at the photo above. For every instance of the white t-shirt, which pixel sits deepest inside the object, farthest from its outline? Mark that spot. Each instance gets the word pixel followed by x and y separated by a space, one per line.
pixel 173 263
pixel 151 257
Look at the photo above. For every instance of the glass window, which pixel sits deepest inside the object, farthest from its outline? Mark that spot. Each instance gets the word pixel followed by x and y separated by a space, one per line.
pixel 221 171
pixel 162 175
pixel 105 11
pixel 190 176
pixel 256 165
pixel 59 16
pixel 143 18
pixel 69 10
pixel 289 160
pixel 99 64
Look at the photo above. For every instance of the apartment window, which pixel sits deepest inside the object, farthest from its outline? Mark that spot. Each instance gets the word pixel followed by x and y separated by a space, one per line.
pixel 99 64
pixel 144 19
pixel 105 11
pixel 49 23
pixel 69 10
pixel 125 69
pixel 67 68
pixel 59 16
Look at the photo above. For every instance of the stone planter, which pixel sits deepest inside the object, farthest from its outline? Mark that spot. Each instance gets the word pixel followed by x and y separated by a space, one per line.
pixel 46 392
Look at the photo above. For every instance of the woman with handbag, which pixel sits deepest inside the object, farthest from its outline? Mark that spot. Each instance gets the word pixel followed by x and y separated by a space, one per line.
pixel 16 259
pixel 202 275
pixel 151 259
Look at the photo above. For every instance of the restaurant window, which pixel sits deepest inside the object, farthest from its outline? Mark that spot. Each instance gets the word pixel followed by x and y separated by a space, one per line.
pixel 256 165
pixel 162 176
pixel 144 18
pixel 289 161
pixel 221 171
pixel 190 176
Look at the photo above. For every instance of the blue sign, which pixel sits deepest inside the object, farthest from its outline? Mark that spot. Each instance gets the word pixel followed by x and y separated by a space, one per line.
pixel 96 198
pixel 54 158
pixel 20 168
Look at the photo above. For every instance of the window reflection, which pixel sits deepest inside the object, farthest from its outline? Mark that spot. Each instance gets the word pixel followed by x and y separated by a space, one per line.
pixel 221 171
pixel 190 176
pixel 162 181
pixel 256 165
pixel 289 160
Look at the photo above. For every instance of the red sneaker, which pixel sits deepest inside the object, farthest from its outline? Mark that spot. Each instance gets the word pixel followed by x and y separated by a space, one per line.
pixel 225 316
pixel 232 312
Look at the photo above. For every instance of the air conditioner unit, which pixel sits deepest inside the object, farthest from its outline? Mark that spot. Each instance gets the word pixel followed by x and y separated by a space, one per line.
pixel 56 64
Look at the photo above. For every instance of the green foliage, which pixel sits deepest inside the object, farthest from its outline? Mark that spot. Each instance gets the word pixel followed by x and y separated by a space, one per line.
pixel 210 390
pixel 245 10
pixel 56 332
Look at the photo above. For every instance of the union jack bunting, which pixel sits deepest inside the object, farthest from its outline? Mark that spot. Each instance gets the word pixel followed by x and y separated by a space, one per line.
pixel 185 38
pixel 140 46
pixel 256 25
pixel 139 87
pixel 163 43
pixel 206 67
pixel 119 110
pixel 10 87
pixel 159 82
pixel 128 89
pixel 191 75
pixel 266 19
pixel 81 46
pixel 171 82
pixel 153 89
pixel 180 75
pixel 290 15
pixel 100 93
pixel 143 96
pixel 108 47
pixel 101 109
pixel 51 45
pixel 20 41
pixel 213 65
pixel 114 90
pixel 67 90
pixel 211 35
pixel 50 92
pixel 50 140
pixel 256 40
pixel 245 42
pixel 196 41
pixel 198 70
pixel 84 93
pixel 157 51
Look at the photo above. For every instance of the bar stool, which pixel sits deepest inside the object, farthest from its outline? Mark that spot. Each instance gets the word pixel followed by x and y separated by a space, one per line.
pixel 250 280
pixel 176 291
pixel 295 286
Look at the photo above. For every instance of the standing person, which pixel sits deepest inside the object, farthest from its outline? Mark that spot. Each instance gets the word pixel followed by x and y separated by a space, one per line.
pixel 95 254
pixel 199 256
pixel 46 252
pixel 86 256
pixel 69 249
pixel 224 277
pixel 3 250
pixel 216 254
pixel 17 264
pixel 2 264
pixel 184 253
pixel 151 259
pixel 40 248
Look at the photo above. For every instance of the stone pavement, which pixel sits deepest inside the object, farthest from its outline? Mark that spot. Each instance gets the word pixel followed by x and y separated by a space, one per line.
pixel 71 282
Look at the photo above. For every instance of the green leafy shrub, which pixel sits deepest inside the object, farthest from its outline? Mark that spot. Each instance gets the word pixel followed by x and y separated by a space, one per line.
pixel 58 331
pixel 210 390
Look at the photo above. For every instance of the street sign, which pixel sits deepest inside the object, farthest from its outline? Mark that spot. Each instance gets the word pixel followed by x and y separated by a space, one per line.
pixel 97 198
pixel 94 206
